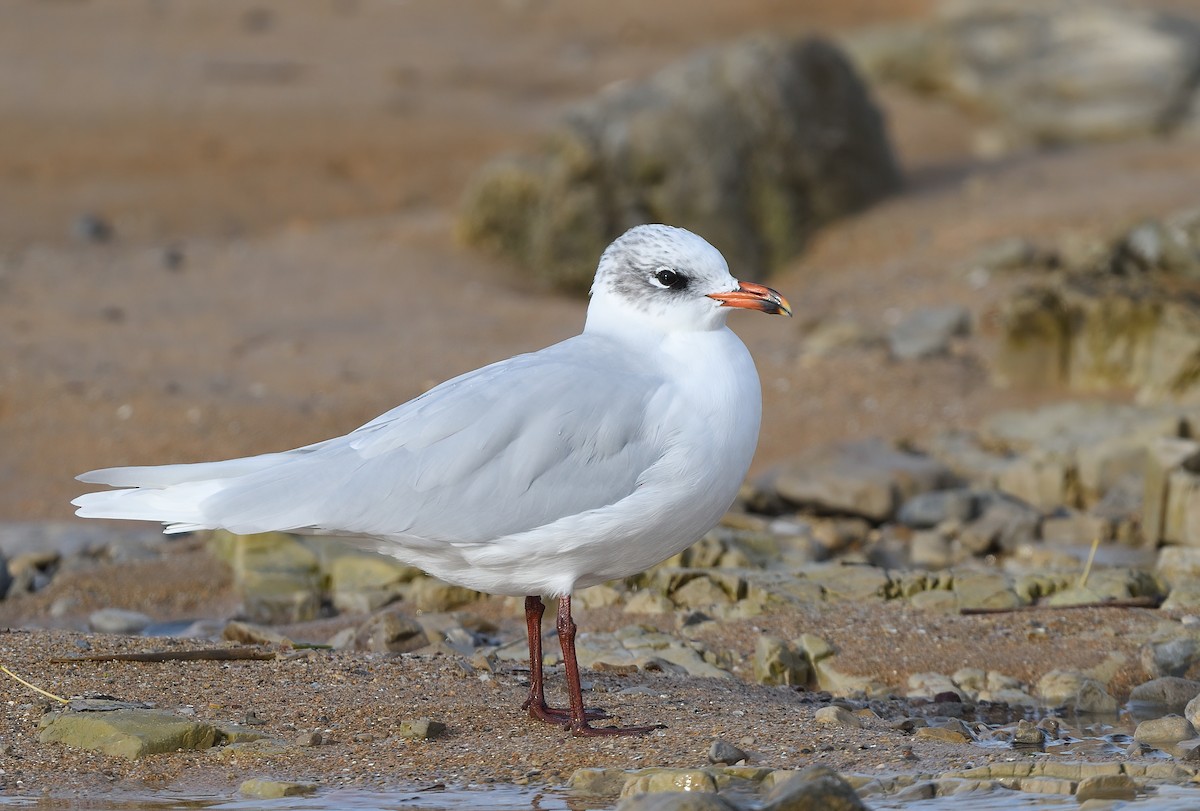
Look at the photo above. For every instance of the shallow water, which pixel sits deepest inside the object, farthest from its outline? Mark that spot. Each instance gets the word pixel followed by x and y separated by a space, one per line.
pixel 499 798
pixel 519 798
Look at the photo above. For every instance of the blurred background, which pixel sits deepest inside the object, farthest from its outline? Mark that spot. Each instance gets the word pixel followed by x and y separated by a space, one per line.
pixel 231 227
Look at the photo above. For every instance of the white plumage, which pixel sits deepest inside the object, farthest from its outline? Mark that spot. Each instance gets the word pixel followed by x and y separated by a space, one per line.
pixel 588 460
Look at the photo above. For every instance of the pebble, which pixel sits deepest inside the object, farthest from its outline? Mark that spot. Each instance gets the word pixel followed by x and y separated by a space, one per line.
pixel 1027 733
pixel 834 716
pixel 91 227
pixel 928 332
pixel 721 751
pixel 420 728
pixel 261 788
pixel 118 621
pixel 942 734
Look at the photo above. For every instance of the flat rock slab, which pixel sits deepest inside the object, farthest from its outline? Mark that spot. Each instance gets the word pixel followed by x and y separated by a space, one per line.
pixel 869 478
pixel 127 733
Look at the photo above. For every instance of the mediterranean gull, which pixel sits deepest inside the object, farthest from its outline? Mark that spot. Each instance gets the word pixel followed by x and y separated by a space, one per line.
pixel 589 460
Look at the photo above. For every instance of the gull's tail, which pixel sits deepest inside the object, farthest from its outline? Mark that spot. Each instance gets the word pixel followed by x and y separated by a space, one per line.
pixel 171 494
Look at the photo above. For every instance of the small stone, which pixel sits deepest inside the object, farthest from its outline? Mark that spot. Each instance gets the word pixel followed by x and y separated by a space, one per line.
pixel 250 634
pixel 721 751
pixel 118 621
pixel 307 739
pixel 390 632
pixel 928 332
pixel 1106 787
pixel 91 227
pixel 263 789
pixel 927 510
pixel 420 729
pixel 1028 733
pixel 834 716
pixel 941 734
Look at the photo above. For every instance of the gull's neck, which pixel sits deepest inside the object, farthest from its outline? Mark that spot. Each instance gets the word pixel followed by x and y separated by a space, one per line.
pixel 612 316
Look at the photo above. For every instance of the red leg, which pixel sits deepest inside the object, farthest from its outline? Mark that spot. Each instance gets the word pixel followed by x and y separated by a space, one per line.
pixel 536 702
pixel 579 716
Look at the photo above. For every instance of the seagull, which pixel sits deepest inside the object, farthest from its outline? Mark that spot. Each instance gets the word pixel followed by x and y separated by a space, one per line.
pixel 587 461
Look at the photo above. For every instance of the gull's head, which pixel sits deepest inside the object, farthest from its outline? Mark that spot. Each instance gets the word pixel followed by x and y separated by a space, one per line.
pixel 671 280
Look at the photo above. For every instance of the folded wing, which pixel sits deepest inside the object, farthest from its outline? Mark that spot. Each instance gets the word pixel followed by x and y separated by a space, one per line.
pixel 498 451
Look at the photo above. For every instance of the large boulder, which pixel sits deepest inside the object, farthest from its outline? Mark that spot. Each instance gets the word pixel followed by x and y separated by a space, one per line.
pixel 1098 332
pixel 752 145
pixel 1051 71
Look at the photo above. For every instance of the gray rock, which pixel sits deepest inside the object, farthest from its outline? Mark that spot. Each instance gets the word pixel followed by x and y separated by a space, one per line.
pixel 669 781
pixel 1012 253
pixel 90 227
pixel 838 717
pixel 118 621
pixel 1095 333
pixel 817 788
pixel 1166 730
pixel 1191 711
pixel 945 733
pixel 722 751
pixel 1071 688
pixel 778 662
pixel 931 549
pixel 361 583
pixel 870 478
pixel 675 801
pixel 928 332
pixel 261 788
pixel 278 575
pixel 390 632
pixel 431 594
pixel 1105 787
pixel 1055 71
pixel 1027 733
pixel 1003 524
pixel 6 579
pixel 1171 657
pixel 1178 564
pixel 636 647
pixel 927 510
pixel 929 685
pixel 1170 246
pixel 753 145
pixel 984 589
pixel 251 634
pixel 420 729
pixel 1169 692
pixel 126 733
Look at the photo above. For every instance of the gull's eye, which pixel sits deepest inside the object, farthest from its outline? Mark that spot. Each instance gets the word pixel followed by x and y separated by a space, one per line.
pixel 670 279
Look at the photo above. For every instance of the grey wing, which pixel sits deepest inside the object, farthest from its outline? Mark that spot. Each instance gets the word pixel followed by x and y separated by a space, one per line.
pixel 508 448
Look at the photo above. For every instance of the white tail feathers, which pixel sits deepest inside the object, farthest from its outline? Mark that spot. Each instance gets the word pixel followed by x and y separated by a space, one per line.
pixel 177 506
